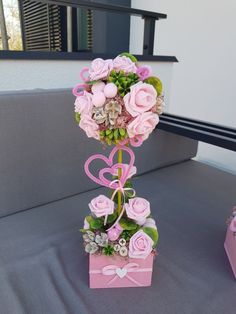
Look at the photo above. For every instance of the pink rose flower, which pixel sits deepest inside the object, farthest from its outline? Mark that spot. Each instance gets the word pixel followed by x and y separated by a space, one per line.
pixel 141 98
pixel 143 125
pixel 123 63
pixel 144 72
pixel 89 126
pixel 138 209
pixel 140 245
pixel 113 234
pixel 101 206
pixel 131 173
pixel 83 104
pixel 100 69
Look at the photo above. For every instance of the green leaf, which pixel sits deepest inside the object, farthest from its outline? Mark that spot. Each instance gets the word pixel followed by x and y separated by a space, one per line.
pixel 110 136
pixel 122 132
pixel 83 230
pixel 156 83
pixel 128 224
pixel 91 82
pixel 108 131
pixel 152 233
pixel 116 134
pixel 111 218
pixel 77 117
pixel 129 55
pixel 95 223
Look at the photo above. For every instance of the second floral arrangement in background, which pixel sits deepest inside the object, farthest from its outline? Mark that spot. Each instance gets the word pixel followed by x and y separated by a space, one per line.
pixel 119 100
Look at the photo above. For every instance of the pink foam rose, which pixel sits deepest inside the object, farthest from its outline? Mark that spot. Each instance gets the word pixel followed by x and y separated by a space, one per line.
pixel 113 234
pixel 132 171
pixel 144 72
pixel 83 104
pixel 141 98
pixel 143 125
pixel 125 64
pixel 100 69
pixel 138 209
pixel 89 126
pixel 101 206
pixel 140 245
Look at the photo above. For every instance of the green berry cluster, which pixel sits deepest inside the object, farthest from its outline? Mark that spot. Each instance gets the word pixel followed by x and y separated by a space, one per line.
pixel 123 81
pixel 113 136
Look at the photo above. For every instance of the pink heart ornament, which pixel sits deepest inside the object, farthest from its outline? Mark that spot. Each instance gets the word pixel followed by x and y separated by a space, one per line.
pixel 121 272
pixel 101 180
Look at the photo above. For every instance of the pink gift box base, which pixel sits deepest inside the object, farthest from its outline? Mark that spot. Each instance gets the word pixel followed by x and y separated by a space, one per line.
pixel 230 248
pixel 117 272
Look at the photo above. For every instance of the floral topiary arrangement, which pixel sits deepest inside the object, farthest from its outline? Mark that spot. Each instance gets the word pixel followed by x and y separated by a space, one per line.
pixel 119 102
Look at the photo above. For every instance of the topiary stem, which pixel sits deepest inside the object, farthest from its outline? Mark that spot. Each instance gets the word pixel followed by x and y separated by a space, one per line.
pixel 119 194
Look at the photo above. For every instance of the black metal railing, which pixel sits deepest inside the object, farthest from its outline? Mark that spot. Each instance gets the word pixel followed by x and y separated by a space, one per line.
pixel 210 133
pixel 148 16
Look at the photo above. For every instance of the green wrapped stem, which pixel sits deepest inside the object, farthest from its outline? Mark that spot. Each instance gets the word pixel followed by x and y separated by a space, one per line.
pixel 119 194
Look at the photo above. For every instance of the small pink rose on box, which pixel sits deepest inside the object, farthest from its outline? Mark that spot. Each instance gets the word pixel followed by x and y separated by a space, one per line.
pixel 101 206
pixel 143 125
pixel 113 234
pixel 89 126
pixel 138 209
pixel 141 98
pixel 144 72
pixel 140 245
pixel 83 104
pixel 123 63
pixel 100 69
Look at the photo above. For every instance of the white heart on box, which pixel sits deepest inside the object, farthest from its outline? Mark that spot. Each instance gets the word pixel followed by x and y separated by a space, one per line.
pixel 121 272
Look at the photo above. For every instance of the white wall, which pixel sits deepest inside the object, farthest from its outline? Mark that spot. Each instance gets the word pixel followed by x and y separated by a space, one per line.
pixel 202 34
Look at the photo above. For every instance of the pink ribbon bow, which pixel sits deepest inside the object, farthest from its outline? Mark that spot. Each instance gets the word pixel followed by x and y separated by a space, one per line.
pixel 118 272
pixel 119 187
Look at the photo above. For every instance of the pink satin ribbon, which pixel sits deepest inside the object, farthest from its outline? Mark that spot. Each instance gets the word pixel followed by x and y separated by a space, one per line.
pixel 119 272
pixel 120 188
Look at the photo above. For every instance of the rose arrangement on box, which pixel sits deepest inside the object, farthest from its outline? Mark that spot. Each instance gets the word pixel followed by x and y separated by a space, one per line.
pixel 119 102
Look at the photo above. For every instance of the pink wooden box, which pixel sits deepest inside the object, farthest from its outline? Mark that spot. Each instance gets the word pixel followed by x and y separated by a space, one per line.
pixel 230 244
pixel 115 272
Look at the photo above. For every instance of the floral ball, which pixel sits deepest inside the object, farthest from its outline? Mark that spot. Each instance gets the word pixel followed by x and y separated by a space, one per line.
pixel 123 99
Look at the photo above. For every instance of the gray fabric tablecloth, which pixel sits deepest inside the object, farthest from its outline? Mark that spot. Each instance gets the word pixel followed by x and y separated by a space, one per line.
pixel 43 269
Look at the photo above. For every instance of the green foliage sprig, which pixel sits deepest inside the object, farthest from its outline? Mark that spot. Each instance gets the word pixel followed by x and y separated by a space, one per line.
pixel 123 81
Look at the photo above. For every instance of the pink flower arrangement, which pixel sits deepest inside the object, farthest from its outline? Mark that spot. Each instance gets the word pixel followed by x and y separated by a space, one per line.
pixel 120 99
pixel 118 103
